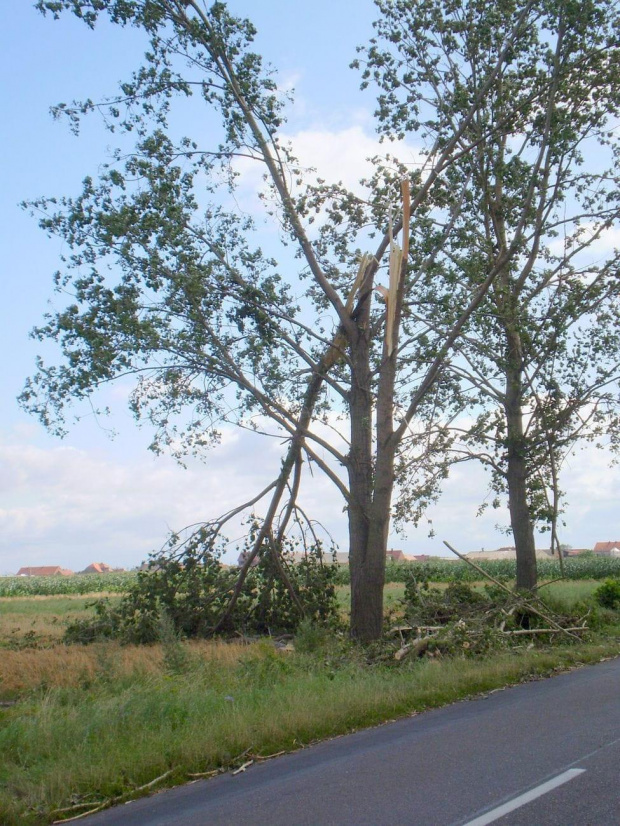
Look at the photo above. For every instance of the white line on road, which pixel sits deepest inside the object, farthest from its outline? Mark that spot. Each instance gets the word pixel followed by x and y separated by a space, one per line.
pixel 517 802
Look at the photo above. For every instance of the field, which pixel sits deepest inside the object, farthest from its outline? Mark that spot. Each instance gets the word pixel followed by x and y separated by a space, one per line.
pixel 438 570
pixel 78 584
pixel 588 568
pixel 83 726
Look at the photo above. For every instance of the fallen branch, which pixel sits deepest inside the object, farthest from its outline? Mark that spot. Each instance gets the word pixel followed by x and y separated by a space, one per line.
pixel 543 630
pixel 242 768
pixel 268 756
pixel 211 773
pixel 418 647
pixel 522 600
pixel 551 581
pixel 400 628
pixel 112 800
pixel 76 806
pixel 84 814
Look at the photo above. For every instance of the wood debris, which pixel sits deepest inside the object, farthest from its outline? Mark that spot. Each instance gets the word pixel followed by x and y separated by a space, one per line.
pixel 243 767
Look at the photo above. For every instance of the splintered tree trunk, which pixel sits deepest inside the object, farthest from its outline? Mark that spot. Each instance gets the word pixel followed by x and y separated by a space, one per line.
pixel 517 470
pixel 371 489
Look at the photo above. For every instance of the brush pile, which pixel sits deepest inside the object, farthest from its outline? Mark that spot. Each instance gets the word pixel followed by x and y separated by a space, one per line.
pixel 460 620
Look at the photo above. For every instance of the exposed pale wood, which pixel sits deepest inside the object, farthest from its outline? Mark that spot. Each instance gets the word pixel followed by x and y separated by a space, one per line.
pixel 84 814
pixel 268 756
pixel 400 628
pixel 76 806
pixel 243 767
pixel 396 257
pixel 117 799
pixel 406 193
pixel 418 647
pixel 544 630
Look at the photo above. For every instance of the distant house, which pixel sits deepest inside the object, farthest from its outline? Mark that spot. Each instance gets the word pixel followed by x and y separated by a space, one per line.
pixel 44 570
pixel 420 558
pixel 505 553
pixel 395 556
pixel 98 568
pixel 342 558
pixel 576 551
pixel 607 548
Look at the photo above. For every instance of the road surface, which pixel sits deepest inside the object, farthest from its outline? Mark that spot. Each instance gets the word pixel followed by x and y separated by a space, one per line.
pixel 544 753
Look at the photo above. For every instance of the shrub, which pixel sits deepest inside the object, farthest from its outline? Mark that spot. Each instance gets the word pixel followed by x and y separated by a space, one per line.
pixel 608 594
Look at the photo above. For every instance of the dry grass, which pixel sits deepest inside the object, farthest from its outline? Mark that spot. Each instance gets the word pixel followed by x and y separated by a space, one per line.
pixel 72 666
pixel 124 732
pixel 135 713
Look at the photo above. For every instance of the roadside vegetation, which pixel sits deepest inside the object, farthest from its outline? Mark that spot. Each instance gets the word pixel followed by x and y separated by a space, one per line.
pixel 179 709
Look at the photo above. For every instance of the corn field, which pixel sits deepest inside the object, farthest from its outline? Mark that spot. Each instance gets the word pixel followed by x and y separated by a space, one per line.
pixel 25 586
pixel 599 567
pixel 436 571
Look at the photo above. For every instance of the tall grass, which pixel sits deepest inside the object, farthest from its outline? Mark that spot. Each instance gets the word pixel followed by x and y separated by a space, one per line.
pixel 129 725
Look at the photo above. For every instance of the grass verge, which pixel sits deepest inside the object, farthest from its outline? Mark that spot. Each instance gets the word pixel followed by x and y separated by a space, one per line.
pixel 196 709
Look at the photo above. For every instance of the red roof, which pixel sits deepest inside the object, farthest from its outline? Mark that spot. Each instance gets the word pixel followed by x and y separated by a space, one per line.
pixel 605 547
pixel 97 568
pixel 395 555
pixel 44 570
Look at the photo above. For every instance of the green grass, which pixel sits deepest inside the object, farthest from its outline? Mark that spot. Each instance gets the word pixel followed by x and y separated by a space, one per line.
pixel 122 731
pixel 92 723
pixel 40 619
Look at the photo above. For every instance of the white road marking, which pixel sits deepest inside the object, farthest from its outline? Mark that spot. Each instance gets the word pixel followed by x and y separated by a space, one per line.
pixel 517 802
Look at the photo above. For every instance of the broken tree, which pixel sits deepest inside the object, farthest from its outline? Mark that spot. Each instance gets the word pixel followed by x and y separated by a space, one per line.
pixel 170 285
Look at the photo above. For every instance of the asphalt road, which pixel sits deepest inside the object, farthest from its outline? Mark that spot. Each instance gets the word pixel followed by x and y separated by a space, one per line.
pixel 545 753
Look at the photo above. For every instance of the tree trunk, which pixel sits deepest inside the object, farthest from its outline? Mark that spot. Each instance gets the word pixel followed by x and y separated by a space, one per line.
pixel 517 470
pixel 366 593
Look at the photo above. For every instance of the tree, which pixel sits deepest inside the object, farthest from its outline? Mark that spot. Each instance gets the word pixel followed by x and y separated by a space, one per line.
pixel 538 365
pixel 170 285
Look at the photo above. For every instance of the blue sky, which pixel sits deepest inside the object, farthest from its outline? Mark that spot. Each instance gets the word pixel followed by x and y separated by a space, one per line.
pixel 88 498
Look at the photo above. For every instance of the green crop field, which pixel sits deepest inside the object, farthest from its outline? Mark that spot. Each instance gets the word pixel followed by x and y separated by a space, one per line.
pixel 25 586
pixel 594 567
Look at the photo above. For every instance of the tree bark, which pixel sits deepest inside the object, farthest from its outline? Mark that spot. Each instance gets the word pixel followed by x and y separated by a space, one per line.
pixel 366 592
pixel 375 484
pixel 517 470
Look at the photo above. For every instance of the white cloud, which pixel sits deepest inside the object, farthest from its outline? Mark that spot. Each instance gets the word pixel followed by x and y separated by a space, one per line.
pixel 606 243
pixel 343 155
pixel 331 154
pixel 69 506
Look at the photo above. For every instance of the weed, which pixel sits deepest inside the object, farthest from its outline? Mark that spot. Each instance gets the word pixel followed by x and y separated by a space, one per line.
pixel 176 658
